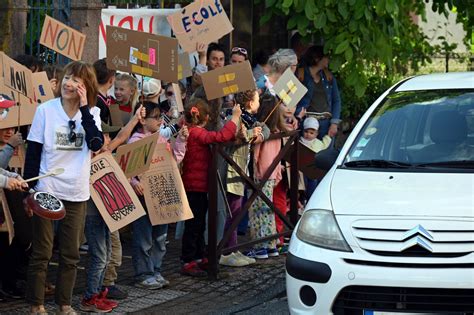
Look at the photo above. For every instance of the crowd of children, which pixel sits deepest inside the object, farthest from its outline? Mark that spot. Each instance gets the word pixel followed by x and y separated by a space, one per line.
pixel 97 110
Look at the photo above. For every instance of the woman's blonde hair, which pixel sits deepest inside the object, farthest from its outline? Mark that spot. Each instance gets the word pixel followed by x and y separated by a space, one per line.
pixel 133 83
pixel 86 72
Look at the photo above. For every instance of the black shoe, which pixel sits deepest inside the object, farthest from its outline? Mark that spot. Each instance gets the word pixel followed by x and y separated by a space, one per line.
pixel 115 293
pixel 13 293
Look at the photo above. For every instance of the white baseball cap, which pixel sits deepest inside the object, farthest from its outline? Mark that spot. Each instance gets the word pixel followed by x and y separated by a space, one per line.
pixel 151 87
pixel 311 123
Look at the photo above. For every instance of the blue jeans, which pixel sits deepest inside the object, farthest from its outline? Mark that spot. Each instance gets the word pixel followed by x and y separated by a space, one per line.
pixel 311 185
pixel 98 238
pixel 149 247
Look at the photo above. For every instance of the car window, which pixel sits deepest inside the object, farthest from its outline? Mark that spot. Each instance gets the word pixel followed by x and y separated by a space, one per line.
pixel 419 127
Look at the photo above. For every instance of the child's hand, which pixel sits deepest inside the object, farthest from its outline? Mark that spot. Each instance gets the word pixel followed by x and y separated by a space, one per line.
pixel 141 113
pixel 242 132
pixel 236 111
pixel 257 131
pixel 16 184
pixel 184 133
pixel 138 187
pixel 201 49
pixel 15 140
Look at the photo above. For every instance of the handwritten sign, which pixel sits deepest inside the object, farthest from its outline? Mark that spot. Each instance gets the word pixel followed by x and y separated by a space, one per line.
pixel 16 76
pixel 164 193
pixel 62 38
pixel 17 161
pixel 112 193
pixel 6 225
pixel 184 66
pixel 26 110
pixel 228 80
pixel 178 97
pixel 142 53
pixel 135 158
pixel 42 87
pixel 289 89
pixel 202 21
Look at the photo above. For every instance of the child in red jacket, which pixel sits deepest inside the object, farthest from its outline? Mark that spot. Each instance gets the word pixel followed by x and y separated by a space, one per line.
pixel 195 174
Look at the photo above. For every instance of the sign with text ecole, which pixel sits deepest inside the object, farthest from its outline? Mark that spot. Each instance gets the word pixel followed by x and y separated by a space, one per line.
pixel 112 193
pixel 62 38
pixel 142 53
pixel 202 21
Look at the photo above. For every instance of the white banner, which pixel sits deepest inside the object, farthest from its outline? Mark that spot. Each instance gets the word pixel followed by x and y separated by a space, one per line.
pixel 144 20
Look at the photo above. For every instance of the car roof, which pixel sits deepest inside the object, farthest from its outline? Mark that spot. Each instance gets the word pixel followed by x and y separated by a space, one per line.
pixel 435 81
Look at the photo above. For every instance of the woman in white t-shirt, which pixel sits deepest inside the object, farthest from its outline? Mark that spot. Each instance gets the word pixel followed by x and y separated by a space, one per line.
pixel 64 132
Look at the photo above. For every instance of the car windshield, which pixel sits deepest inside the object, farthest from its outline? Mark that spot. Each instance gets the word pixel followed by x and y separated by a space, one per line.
pixel 418 129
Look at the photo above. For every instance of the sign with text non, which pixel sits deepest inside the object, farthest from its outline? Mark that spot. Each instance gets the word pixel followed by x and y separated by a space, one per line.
pixel 16 76
pixel 135 158
pixel 62 38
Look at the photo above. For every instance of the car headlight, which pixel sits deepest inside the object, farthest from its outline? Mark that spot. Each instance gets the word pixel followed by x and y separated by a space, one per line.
pixel 319 227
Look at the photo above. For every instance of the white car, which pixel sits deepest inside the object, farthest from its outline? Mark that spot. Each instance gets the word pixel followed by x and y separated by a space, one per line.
pixel 390 228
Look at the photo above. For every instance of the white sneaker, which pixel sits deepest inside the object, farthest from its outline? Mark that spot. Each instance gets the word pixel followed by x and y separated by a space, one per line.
pixel 232 260
pixel 250 260
pixel 149 284
pixel 159 278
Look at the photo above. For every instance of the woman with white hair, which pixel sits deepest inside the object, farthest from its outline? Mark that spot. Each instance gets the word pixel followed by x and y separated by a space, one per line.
pixel 278 62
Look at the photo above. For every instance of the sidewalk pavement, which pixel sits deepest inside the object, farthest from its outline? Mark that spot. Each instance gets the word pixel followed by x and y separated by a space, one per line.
pixel 236 290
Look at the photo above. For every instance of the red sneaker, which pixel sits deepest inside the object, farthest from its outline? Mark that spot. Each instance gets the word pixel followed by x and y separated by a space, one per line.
pixel 95 305
pixel 192 269
pixel 203 263
pixel 103 297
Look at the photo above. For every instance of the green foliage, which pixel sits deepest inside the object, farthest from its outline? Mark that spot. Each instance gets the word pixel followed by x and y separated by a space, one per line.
pixel 368 34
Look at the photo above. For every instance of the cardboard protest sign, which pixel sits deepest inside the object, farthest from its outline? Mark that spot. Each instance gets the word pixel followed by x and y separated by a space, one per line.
pixel 62 38
pixel 119 117
pixel 135 158
pixel 16 76
pixel 42 87
pixel 178 97
pixel 228 80
pixel 17 161
pixel 306 162
pixel 142 53
pixel 112 193
pixel 184 66
pixel 26 109
pixel 289 89
pixel 6 225
pixel 163 188
pixel 202 21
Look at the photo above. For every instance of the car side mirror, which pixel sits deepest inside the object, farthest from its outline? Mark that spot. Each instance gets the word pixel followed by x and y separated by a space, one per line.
pixel 325 159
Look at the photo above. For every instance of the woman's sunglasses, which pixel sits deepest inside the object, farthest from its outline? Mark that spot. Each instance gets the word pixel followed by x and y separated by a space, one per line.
pixel 243 51
pixel 72 135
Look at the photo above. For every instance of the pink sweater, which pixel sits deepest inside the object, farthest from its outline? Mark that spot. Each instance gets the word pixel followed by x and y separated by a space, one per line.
pixel 264 154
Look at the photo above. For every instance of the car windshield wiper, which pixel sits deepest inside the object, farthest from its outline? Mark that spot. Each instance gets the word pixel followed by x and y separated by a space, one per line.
pixel 377 164
pixel 450 164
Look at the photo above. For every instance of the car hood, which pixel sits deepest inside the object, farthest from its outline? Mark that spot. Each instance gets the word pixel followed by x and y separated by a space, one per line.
pixel 360 192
